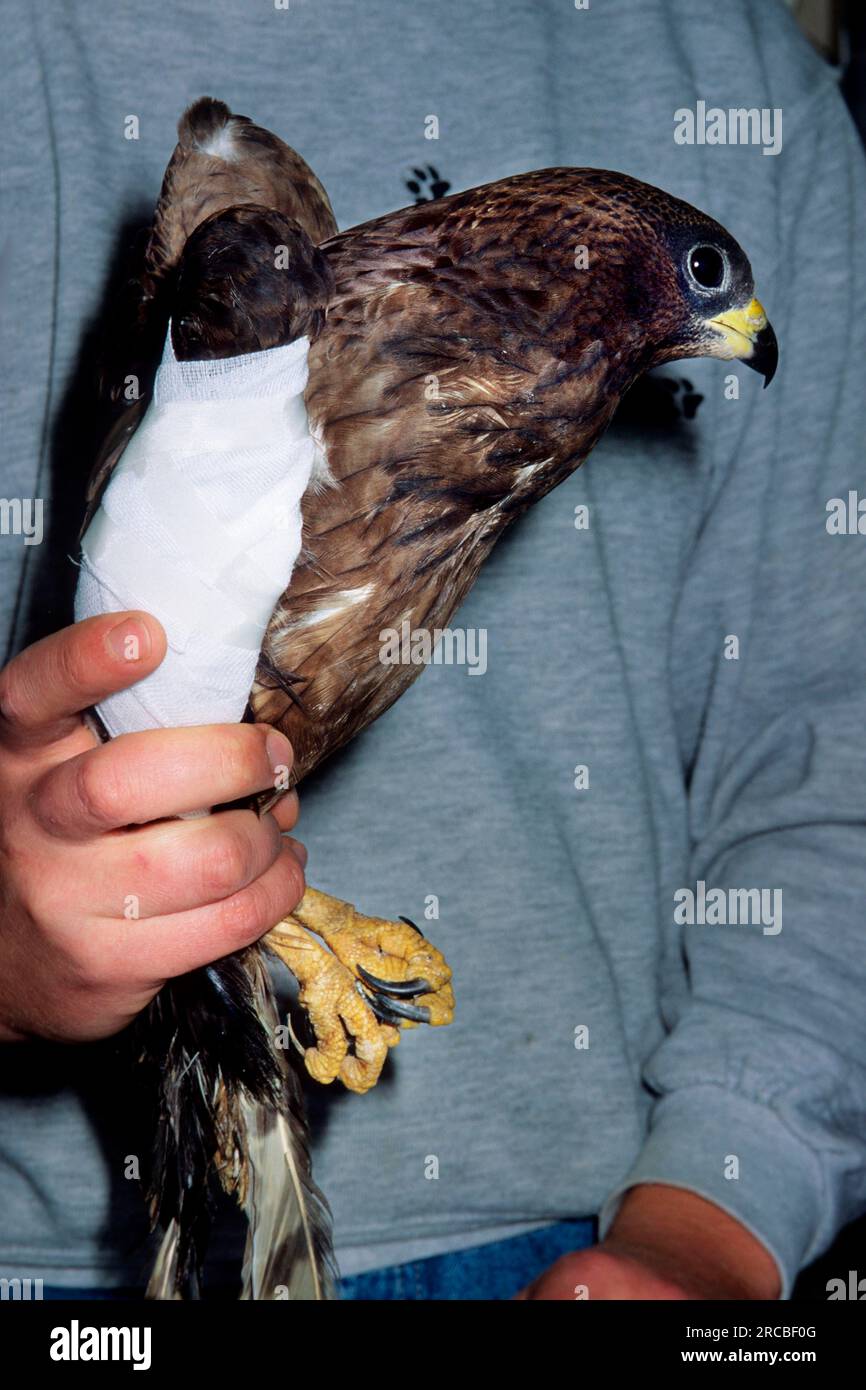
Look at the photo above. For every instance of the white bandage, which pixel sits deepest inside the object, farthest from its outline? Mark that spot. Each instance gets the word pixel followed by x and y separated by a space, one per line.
pixel 201 526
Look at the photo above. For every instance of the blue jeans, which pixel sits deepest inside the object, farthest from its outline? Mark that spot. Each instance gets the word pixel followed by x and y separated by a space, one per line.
pixel 494 1271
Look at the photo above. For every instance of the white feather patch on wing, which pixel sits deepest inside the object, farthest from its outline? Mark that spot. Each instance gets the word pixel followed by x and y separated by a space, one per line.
pixel 221 145
pixel 340 604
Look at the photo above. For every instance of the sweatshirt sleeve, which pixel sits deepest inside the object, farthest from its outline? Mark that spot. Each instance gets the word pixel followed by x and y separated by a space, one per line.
pixel 760 1083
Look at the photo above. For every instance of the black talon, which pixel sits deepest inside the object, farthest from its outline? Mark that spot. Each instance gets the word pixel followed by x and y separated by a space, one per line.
pixel 377 1006
pixel 381 1012
pixel 393 1010
pixel 404 989
pixel 413 925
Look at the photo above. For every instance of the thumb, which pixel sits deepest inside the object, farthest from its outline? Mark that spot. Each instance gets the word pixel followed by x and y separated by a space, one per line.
pixel 44 689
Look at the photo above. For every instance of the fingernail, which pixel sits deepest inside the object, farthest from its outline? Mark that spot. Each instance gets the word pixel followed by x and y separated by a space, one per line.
pixel 130 640
pixel 299 849
pixel 279 752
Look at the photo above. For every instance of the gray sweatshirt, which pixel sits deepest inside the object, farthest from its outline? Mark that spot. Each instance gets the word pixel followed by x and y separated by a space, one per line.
pixel 672 709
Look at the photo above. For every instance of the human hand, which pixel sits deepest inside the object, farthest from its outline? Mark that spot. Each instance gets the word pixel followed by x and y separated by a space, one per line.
pixel 103 897
pixel 665 1243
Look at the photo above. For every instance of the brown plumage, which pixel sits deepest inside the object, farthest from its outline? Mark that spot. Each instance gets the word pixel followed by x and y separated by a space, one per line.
pixel 466 366
pixel 231 297
pixel 467 355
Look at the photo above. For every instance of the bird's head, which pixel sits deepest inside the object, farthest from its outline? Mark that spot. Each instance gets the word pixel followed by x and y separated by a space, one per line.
pixel 608 264
pixel 675 281
pixel 711 295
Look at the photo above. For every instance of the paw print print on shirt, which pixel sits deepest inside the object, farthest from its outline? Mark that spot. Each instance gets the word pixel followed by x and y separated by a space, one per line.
pixel 427 184
pixel 659 401
pixel 684 397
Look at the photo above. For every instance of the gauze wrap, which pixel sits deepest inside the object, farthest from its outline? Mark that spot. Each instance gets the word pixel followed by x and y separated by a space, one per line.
pixel 201 526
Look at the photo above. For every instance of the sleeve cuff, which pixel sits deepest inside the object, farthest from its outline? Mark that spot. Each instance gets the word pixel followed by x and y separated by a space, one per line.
pixel 694 1137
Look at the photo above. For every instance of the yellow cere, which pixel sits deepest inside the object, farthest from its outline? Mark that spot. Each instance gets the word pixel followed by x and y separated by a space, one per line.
pixel 740 327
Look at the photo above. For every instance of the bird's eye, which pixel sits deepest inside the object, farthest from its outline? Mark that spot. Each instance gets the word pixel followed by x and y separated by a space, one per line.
pixel 707 267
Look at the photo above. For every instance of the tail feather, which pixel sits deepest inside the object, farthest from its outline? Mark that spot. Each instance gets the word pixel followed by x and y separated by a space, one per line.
pixel 230 1116
pixel 288 1250
pixel 163 1282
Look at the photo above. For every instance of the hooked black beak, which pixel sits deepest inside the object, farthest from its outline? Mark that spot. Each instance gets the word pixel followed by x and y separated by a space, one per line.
pixel 765 354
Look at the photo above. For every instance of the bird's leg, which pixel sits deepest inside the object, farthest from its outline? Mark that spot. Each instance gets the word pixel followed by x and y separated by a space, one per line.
pixel 375 977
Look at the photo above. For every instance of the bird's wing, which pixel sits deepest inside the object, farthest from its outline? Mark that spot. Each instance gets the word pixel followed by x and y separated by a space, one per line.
pixel 228 1106
pixel 221 160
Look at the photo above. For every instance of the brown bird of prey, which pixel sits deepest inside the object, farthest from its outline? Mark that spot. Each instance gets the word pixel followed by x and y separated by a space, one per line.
pixel 467 354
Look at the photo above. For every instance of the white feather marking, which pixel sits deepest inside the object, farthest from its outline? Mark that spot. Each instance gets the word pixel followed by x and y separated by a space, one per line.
pixel 529 468
pixel 221 145
pixel 339 605
pixel 320 475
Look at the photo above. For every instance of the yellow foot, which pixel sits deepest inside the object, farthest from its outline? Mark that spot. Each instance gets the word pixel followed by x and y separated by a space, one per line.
pixel 377 977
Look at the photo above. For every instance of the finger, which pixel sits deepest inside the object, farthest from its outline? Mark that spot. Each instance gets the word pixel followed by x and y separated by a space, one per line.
pixel 144 777
pixel 172 945
pixel 299 849
pixel 44 689
pixel 286 811
pixel 182 864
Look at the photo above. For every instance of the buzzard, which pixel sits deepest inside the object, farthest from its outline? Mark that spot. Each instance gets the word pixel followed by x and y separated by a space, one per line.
pixel 466 354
